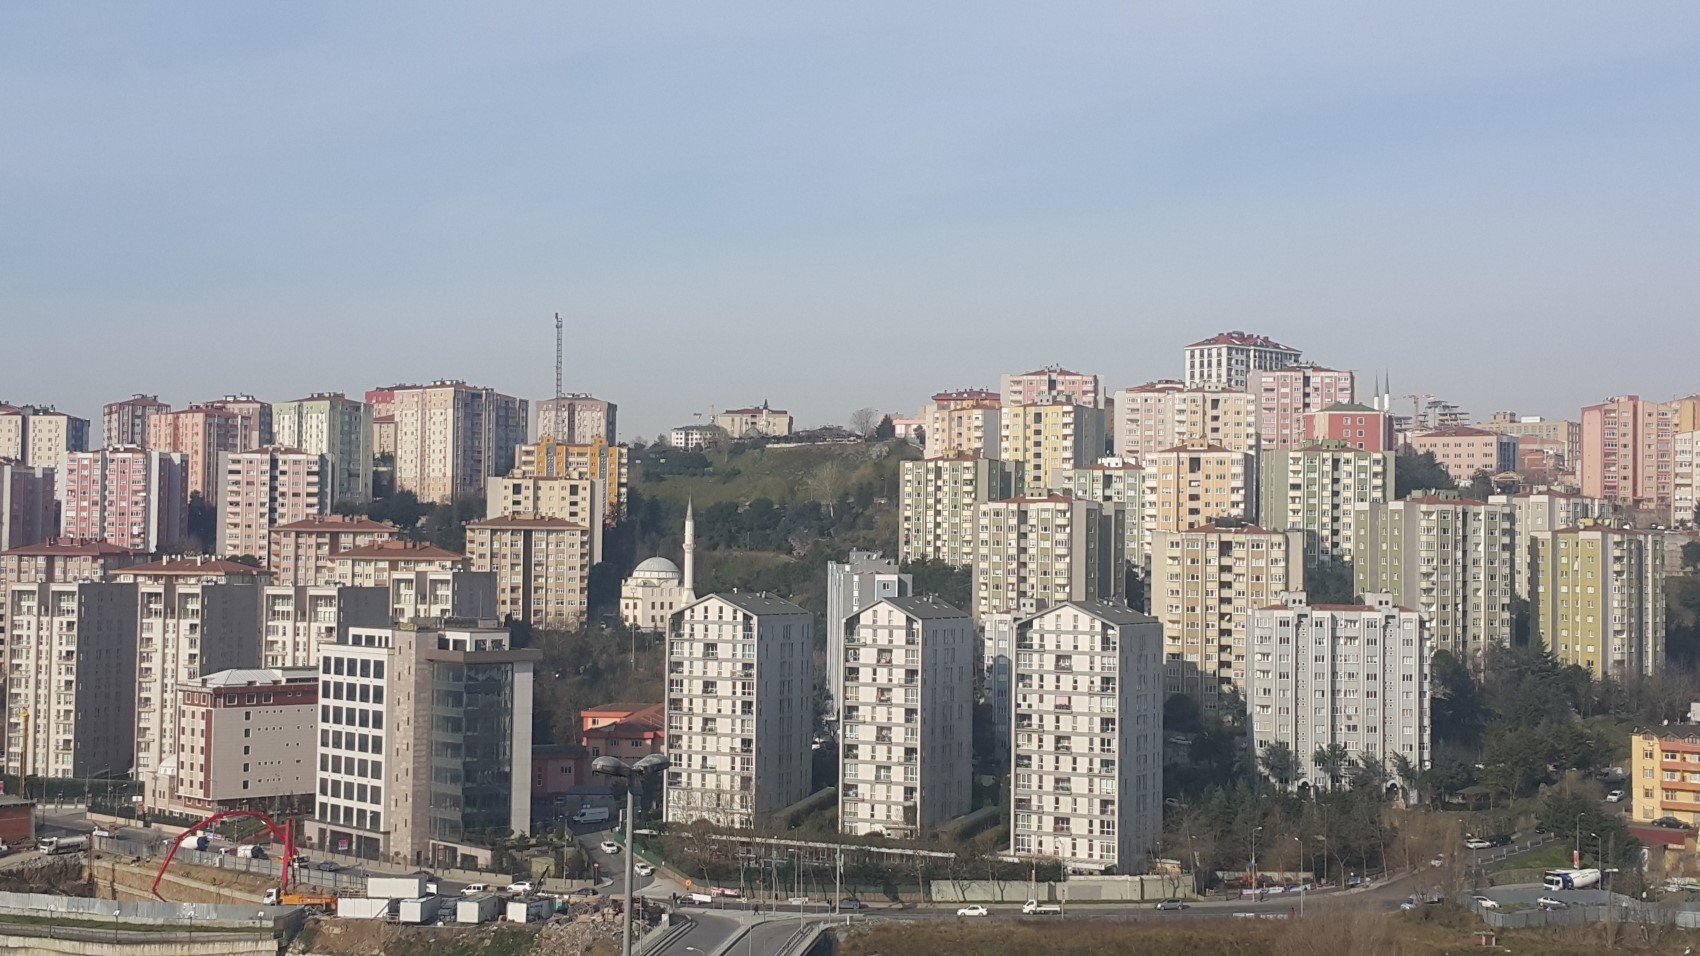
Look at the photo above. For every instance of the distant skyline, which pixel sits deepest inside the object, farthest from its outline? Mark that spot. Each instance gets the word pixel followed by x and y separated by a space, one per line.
pixel 843 206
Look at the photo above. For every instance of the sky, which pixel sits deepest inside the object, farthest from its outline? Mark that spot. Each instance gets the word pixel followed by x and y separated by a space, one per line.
pixel 830 206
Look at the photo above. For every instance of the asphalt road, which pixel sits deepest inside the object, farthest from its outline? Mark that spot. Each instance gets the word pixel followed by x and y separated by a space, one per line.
pixel 707 934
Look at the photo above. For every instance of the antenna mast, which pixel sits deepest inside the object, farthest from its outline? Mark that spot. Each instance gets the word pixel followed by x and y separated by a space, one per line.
pixel 557 356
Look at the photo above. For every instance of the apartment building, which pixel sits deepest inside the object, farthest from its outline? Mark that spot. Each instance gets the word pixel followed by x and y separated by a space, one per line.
pixel 301 552
pixel 29 506
pixel 375 564
pixel 963 422
pixel 938 496
pixel 1030 553
pixel 201 434
pixel 694 437
pixel 607 465
pixel 253 420
pixel 542 567
pixel 1542 511
pixel 248 741
pixel 1628 451
pixel 129 496
pixel 1118 485
pixel 1466 452
pixel 1229 358
pixel 1040 442
pixel 264 488
pixel 451 437
pixel 40 436
pixel 70 674
pixel 760 421
pixel 126 422
pixel 1160 415
pixel 1286 397
pixel 740 689
pixel 906 755
pixel 577 419
pixel 337 428
pixel 1565 435
pixel 1448 558
pixel 1685 478
pixel 1316 488
pixel 579 500
pixel 424 743
pixel 1196 483
pixel 1352 675
pixel 1051 385
pixel 1205 582
pixel 1597 598
pixel 1087 737
pixel 852 585
pixel 1354 425
pixel 1665 771
pixel 62 561
pixel 296 618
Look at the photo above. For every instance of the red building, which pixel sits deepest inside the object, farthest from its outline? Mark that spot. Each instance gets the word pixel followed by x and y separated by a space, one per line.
pixel 1359 426
pixel 627 731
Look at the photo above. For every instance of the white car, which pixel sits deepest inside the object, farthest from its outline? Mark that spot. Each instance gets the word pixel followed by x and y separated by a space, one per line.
pixel 642 869
pixel 798 901
pixel 975 910
pixel 1477 843
pixel 473 889
pixel 1616 796
pixel 520 886
pixel 609 847
pixel 1439 860
pixel 1485 902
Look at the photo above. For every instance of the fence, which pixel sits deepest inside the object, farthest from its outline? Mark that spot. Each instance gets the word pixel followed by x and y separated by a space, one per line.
pixel 270 869
pixel 1080 889
pixel 118 912
pixel 1621 909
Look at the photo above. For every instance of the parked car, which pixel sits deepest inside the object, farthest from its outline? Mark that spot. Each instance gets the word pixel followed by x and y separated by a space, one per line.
pixel 1671 823
pixel 300 860
pixel 1616 796
pixel 1477 843
pixel 1172 904
pixel 1179 739
pixel 1548 903
pixel 1171 802
pixel 642 869
pixel 798 901
pixel 104 832
pixel 851 903
pixel 975 910
pixel 328 866
pixel 520 886
pixel 473 889
pixel 1407 905
pixel 609 847
pixel 1485 902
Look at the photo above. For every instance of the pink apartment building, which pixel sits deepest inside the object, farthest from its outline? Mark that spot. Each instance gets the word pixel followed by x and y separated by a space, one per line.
pixel 126 422
pixel 200 433
pixel 1285 396
pixel 131 497
pixel 1052 384
pixel 1628 451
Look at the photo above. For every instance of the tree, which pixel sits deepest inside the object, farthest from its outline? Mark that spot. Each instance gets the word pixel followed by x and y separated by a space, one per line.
pixel 1481 486
pixel 1691 556
pixel 1418 472
pixel 1331 761
pixel 885 430
pixel 1279 763
pixel 1181 715
pixel 1412 779
pixel 862 421
pixel 1371 776
pixel 952 584
pixel 202 519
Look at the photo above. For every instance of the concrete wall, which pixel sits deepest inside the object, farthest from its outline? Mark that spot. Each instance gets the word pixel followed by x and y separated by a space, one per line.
pixel 45 906
pixel 1080 889
pixel 43 940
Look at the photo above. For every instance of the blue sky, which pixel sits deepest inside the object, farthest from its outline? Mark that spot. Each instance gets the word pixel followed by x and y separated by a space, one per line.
pixel 838 205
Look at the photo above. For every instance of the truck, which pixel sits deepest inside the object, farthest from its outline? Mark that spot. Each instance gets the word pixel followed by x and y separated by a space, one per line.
pixel 590 815
pixel 251 851
pixel 1036 908
pixel 318 901
pixel 194 841
pixel 1571 879
pixel 59 844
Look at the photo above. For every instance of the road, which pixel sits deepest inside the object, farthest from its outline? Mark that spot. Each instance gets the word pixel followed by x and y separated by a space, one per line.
pixel 708 933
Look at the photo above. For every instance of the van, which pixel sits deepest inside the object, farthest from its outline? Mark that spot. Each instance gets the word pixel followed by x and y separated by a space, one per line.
pixel 590 815
pixel 701 898
pixel 473 889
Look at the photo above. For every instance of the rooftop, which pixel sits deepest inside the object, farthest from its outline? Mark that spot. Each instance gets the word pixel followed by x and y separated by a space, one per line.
pixel 249 676
pixel 1350 407
pixel 336 523
pixel 397 550
pixel 1243 338
pixel 754 602
pixel 71 548
pixel 1455 431
pixel 197 565
pixel 923 608
pixel 525 521
pixel 1110 612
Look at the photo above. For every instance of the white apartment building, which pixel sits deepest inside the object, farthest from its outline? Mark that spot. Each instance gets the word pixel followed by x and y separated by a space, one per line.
pixel 1205 582
pixel 338 428
pixel 938 496
pixel 1353 675
pixel 542 567
pixel 424 742
pixel 1450 559
pixel 1316 488
pixel 1030 553
pixel 298 617
pixel 264 488
pixel 1229 358
pixel 997 665
pixel 905 723
pixel 1040 442
pixel 963 422
pixel 740 709
pixel 759 421
pixel 451 437
pixel 1087 752
pixel 247 741
pixel 1152 417
pixel 1543 511
pixel 1685 477
pixel 851 586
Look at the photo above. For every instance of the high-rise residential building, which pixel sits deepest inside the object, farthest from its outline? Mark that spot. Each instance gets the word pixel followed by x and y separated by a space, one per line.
pixel 1316 489
pixel 451 437
pixel 253 420
pixel 339 428
pixel 424 742
pixel 1031 553
pixel 263 488
pixel 29 508
pixel 200 433
pixel 297 617
pixel 963 422
pixel 1040 442
pixel 1566 435
pixel 1119 485
pixel 906 751
pixel 740 713
pixel 373 565
pixel 936 517
pixel 300 552
pixel 656 588
pixel 1466 452
pixel 1286 396
pixel 577 419
pixel 1628 451
pixel 1205 582
pixel 1449 558
pixel 542 567
pixel 1542 511
pixel 126 422
pixel 1087 747
pixel 40 436
pixel 1597 598
pixel 132 497
pixel 1229 358
pixel 759 421
pixel 1197 483
pixel 1356 426
pixel 70 678
pixel 196 616
pixel 1349 675
pixel 1159 415
pixel 851 586
pixel 579 500
pixel 1051 385
pixel 997 669
pixel 1685 477
pixel 607 465
pixel 62 561
pixel 248 740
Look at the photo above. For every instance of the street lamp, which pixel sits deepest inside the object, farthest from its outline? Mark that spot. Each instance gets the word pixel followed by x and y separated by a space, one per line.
pixel 612 766
pixel 1254 832
pixel 1576 860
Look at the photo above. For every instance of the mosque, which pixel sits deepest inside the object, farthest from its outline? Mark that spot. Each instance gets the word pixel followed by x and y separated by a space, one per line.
pixel 656 587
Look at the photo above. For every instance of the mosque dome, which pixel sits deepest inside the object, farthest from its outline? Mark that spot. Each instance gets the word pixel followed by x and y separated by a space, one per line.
pixel 657 569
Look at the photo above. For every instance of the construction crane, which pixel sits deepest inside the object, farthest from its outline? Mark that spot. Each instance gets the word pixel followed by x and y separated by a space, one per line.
pixel 282 834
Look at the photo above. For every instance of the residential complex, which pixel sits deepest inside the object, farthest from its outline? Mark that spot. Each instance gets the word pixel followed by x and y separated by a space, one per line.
pixel 1466 452
pixel 542 567
pixel 1205 582
pixel 1228 359
pixel 1287 396
pixel 1118 485
pixel 1051 385
pixel 29 508
pixel 1160 415
pixel 1030 553
pixel 577 419
pixel 740 686
pixel 852 585
pixel 247 740
pixel 201 434
pixel 1354 676
pixel 1597 598
pixel 1564 436
pixel 1665 771
pixel 759 421
pixel 300 552
pixel 579 500
pixel 1316 488
pixel 129 496
pixel 905 717
pixel 1087 737
pixel 1628 451
pixel 963 422
pixel 936 507
pixel 1353 425
pixel 1040 442
pixel 126 422
pixel 264 488
pixel 375 564
pixel 40 436
pixel 253 420
pixel 339 429
pixel 451 437
pixel 1542 511
pixel 1196 483
pixel 605 464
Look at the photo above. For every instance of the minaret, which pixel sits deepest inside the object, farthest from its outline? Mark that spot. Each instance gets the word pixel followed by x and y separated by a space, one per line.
pixel 690 581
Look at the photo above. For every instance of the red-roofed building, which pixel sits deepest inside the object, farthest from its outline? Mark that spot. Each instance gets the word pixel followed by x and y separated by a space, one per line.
pixel 1229 358
pixel 963 422
pixel 1286 397
pixel 637 733
pixel 1051 385
pixel 300 552
pixel 1466 452
pixel 372 565
pixel 1358 426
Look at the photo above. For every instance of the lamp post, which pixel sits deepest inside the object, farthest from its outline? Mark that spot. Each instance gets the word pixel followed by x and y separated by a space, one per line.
pixel 1254 884
pixel 632 772
pixel 1576 856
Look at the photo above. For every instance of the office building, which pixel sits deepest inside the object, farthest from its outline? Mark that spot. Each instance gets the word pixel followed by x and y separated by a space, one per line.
pixel 1229 358
pixel 1051 385
pixel 1316 488
pixel 1597 599
pixel 248 741
pixel 542 567
pixel 935 521
pixel 1031 553
pixel 1150 418
pixel 963 422
pixel 264 488
pixel 1040 442
pixel 132 497
pixel 126 422
pixel 851 586
pixel 1286 397
pixel 339 429
pixel 451 437
pixel 577 419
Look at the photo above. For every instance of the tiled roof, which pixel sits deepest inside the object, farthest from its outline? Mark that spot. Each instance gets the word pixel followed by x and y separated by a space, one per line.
pixel 399 551
pixel 1243 338
pixel 336 523
pixel 193 566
